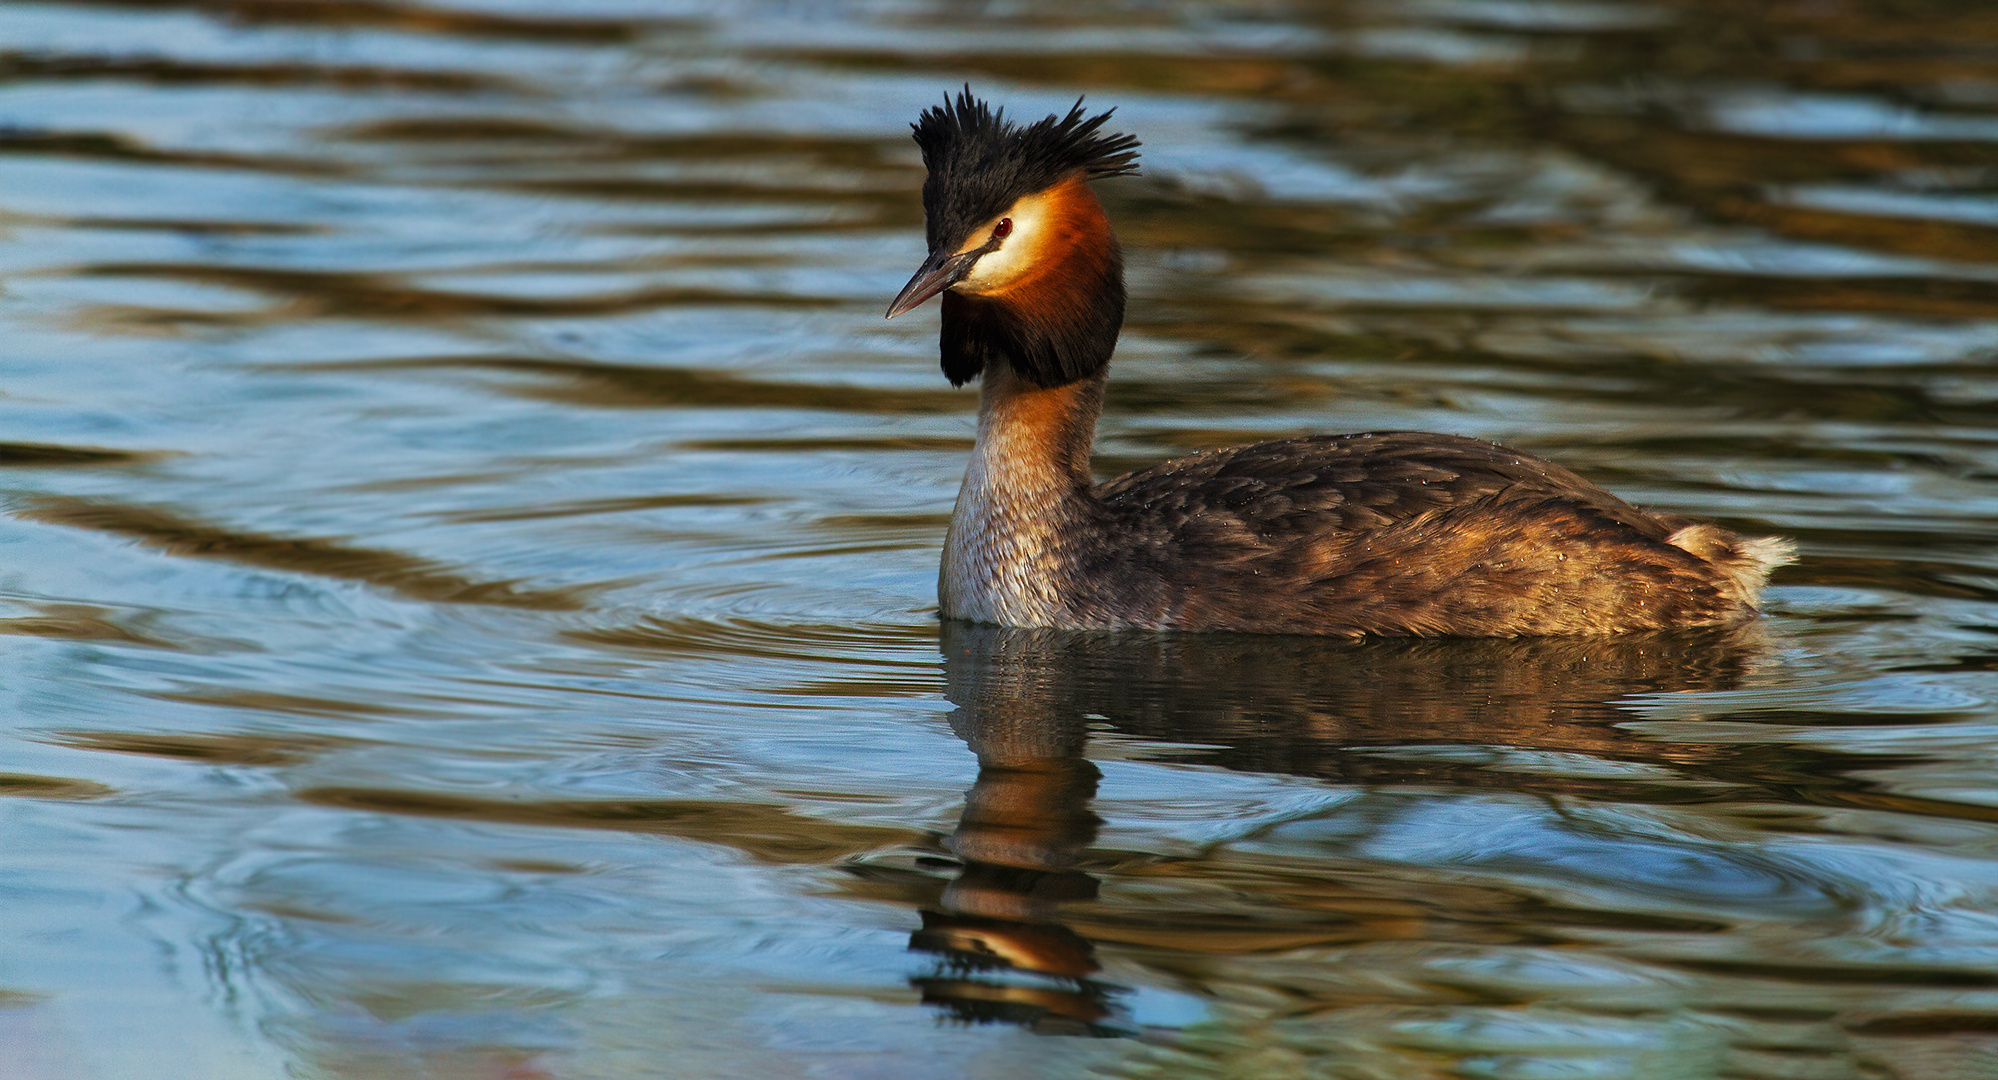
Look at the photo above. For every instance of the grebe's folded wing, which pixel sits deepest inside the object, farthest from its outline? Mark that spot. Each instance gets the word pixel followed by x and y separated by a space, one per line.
pixel 1346 486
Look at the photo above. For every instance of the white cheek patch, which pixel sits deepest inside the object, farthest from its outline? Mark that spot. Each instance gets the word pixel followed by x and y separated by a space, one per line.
pixel 994 270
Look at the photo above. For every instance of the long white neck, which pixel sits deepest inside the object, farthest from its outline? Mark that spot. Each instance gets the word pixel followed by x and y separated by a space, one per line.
pixel 1025 498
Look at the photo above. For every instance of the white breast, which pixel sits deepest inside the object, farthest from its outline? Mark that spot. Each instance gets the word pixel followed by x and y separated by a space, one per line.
pixel 1001 562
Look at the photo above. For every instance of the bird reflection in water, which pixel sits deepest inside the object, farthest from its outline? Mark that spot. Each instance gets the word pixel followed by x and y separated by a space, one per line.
pixel 1025 827
pixel 1027 701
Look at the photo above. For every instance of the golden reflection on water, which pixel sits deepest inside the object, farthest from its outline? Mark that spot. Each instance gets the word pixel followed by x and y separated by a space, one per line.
pixel 388 570
pixel 1022 931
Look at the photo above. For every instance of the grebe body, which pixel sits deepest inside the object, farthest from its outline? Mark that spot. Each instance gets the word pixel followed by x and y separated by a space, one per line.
pixel 1392 533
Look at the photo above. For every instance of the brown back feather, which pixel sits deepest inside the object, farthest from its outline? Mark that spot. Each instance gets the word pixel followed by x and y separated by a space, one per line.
pixel 1392 533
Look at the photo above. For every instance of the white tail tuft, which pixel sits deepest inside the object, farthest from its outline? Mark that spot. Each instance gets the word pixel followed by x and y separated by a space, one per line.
pixel 1744 564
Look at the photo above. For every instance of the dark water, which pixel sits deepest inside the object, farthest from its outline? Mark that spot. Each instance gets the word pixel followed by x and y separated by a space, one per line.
pixel 469 539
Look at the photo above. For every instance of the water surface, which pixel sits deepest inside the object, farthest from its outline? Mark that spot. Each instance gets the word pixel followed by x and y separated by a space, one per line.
pixel 470 540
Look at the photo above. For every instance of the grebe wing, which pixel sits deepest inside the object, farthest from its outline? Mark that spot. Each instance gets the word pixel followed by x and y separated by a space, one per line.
pixel 1350 485
pixel 1408 533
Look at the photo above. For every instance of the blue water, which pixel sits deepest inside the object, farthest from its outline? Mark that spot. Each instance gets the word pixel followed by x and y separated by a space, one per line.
pixel 469 541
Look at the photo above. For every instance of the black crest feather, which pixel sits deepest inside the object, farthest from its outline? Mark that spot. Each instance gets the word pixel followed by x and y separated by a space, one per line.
pixel 979 162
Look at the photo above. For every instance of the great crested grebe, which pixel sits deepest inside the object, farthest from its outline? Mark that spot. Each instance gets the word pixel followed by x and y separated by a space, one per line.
pixel 1394 533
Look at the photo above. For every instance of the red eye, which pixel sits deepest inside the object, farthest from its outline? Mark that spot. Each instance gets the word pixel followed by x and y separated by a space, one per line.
pixel 1002 230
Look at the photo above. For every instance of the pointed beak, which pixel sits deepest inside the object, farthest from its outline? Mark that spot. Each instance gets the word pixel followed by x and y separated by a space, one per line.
pixel 939 272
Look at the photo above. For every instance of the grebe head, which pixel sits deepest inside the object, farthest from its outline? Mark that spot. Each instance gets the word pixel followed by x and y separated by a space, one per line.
pixel 1019 246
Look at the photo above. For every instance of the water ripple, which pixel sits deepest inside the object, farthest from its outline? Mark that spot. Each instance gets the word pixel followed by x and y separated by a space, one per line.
pixel 471 547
